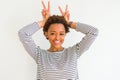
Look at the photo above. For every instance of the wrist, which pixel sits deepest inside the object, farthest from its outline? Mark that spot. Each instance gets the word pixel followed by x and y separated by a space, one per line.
pixel 40 23
pixel 70 23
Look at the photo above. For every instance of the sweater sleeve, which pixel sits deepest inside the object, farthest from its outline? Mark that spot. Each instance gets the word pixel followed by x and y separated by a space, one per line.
pixel 25 36
pixel 90 35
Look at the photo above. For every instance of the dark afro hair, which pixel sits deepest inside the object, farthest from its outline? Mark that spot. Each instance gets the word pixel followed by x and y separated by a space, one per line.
pixel 56 19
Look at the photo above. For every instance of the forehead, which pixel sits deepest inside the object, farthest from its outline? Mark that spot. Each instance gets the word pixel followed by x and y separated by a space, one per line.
pixel 57 27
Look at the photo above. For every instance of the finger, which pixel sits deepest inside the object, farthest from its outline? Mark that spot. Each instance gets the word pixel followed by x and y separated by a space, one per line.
pixel 43 12
pixel 60 10
pixel 43 5
pixel 48 5
pixel 68 15
pixel 66 9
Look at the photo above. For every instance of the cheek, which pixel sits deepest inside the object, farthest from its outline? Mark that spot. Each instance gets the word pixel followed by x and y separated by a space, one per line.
pixel 52 38
pixel 62 38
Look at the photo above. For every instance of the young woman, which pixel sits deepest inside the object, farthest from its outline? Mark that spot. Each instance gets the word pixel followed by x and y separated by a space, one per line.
pixel 57 62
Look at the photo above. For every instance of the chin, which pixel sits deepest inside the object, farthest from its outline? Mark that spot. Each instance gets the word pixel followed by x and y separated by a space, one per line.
pixel 57 46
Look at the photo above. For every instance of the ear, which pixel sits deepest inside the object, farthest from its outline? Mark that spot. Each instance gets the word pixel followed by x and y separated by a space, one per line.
pixel 46 35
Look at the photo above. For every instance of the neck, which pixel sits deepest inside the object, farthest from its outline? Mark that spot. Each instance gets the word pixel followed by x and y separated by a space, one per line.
pixel 53 49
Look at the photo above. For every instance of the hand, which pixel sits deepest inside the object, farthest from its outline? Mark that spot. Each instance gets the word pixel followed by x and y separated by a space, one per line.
pixel 45 13
pixel 66 13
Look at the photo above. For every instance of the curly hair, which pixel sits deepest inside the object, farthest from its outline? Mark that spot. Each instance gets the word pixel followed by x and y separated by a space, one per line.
pixel 56 19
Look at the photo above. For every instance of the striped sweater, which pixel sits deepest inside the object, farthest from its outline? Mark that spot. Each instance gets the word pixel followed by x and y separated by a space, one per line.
pixel 60 65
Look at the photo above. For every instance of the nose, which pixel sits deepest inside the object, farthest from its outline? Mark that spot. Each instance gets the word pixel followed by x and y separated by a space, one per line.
pixel 57 37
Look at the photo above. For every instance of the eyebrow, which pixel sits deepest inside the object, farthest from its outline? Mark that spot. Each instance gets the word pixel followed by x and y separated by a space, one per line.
pixel 55 31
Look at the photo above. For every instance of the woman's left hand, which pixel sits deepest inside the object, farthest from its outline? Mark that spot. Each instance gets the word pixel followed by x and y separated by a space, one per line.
pixel 65 13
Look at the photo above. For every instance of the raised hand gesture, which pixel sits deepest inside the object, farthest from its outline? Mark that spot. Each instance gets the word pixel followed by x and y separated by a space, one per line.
pixel 65 13
pixel 45 12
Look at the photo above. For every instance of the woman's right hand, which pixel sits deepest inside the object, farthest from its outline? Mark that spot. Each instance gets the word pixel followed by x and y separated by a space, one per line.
pixel 45 14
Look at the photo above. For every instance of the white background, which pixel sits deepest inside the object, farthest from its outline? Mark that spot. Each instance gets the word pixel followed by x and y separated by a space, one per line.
pixel 100 62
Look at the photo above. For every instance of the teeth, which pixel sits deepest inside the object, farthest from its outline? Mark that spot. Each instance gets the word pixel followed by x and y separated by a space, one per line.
pixel 57 41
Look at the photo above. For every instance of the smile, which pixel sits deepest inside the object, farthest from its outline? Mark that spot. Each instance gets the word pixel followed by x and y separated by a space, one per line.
pixel 57 42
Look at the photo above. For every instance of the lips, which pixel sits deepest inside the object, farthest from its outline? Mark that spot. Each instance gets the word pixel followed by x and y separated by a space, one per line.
pixel 57 42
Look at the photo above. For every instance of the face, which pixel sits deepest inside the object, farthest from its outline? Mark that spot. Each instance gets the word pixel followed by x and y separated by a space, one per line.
pixel 56 34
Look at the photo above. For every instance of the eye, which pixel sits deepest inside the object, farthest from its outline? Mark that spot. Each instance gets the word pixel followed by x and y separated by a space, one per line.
pixel 62 34
pixel 52 33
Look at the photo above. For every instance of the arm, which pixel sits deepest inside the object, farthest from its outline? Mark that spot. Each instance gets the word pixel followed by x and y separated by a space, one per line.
pixel 90 35
pixel 25 36
pixel 89 31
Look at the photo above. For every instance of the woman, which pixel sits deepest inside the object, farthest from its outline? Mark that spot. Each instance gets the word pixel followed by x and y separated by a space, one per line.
pixel 57 63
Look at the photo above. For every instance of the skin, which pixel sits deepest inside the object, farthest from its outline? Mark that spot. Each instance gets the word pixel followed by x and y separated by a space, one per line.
pixel 55 35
